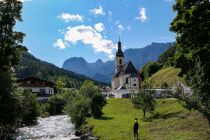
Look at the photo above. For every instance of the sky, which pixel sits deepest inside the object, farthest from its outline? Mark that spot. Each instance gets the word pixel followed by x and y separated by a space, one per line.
pixel 59 29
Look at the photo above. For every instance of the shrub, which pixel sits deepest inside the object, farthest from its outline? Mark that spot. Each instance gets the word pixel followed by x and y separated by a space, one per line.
pixel 30 108
pixel 77 108
pixel 97 104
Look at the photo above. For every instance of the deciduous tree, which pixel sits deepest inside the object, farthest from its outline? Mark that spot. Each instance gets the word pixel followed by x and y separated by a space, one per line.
pixel 192 25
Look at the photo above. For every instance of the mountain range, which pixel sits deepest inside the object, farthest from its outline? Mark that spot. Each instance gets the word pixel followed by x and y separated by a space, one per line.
pixel 103 71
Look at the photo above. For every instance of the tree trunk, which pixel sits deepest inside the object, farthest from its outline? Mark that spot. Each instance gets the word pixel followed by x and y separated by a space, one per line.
pixel 144 113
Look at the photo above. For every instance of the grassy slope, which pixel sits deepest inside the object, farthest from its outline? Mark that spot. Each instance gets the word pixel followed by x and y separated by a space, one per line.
pixel 173 122
pixel 169 75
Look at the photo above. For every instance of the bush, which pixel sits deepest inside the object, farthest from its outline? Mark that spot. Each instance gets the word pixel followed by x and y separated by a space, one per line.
pixel 9 106
pixel 88 89
pixel 30 108
pixel 44 109
pixel 87 101
pixel 97 104
pixel 77 108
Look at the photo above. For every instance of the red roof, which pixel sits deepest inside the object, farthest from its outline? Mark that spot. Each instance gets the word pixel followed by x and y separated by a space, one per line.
pixel 34 82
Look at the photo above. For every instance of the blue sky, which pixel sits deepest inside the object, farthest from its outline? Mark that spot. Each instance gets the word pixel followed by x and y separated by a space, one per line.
pixel 59 29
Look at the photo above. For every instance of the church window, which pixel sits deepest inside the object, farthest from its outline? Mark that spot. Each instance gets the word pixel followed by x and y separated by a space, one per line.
pixel 120 61
pixel 126 80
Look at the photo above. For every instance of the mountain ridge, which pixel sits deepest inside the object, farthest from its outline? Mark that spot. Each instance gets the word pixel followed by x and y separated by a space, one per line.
pixel 103 71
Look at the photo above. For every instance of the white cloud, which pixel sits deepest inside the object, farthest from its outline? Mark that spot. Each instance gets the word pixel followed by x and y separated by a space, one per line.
pixel 60 44
pixel 142 15
pixel 99 27
pixel 71 17
pixel 89 36
pixel 97 11
pixel 110 16
pixel 128 28
pixel 120 27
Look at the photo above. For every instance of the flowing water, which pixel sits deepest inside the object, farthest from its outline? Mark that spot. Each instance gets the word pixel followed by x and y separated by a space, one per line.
pixel 51 128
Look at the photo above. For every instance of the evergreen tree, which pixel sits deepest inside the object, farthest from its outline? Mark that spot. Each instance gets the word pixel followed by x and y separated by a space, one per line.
pixel 10 40
pixel 10 50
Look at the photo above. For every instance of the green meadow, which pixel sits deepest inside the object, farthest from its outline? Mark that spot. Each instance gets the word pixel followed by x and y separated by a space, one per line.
pixel 170 121
pixel 168 75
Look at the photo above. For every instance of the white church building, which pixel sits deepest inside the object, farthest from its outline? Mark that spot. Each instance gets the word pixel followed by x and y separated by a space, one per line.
pixel 125 80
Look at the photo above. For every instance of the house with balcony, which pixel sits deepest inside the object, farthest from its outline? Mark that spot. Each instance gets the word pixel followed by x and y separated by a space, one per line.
pixel 42 88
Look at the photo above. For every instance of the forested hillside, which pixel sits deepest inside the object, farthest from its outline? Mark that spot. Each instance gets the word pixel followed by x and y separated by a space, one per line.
pixel 31 66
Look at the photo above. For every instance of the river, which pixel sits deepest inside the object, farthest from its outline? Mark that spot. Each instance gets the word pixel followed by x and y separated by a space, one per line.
pixel 50 128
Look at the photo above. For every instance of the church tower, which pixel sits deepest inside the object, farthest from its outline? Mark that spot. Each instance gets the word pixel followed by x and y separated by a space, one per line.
pixel 119 60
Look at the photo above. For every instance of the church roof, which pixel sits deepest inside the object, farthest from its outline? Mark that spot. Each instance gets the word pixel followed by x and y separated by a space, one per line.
pixel 127 69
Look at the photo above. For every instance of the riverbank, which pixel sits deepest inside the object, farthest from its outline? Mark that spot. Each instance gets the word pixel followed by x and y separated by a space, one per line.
pixel 170 121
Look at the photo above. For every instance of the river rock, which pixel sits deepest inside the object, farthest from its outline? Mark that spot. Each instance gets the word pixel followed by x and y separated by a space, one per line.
pixel 77 138
pixel 92 138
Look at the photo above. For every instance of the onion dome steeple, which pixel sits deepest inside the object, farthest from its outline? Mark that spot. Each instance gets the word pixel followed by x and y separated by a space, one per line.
pixel 119 51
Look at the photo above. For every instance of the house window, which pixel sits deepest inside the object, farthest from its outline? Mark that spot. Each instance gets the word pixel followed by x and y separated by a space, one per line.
pixel 28 82
pixel 134 85
pixel 126 80
pixel 120 61
pixel 42 91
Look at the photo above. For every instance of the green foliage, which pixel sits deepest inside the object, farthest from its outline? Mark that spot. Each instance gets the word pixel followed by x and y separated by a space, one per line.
pixel 29 65
pixel 77 108
pixel 9 106
pixel 59 84
pixel 86 101
pixel 44 109
pixel 145 99
pixel 30 108
pixel 170 121
pixel 166 57
pixel 97 104
pixel 10 51
pixel 164 85
pixel 149 69
pixel 10 40
pixel 193 41
pixel 89 89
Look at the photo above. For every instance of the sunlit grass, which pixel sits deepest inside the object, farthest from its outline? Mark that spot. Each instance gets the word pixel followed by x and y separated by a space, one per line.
pixel 170 121
pixel 168 75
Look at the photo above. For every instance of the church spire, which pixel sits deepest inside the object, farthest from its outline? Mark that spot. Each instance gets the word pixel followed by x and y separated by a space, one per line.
pixel 119 44
pixel 119 51
pixel 119 60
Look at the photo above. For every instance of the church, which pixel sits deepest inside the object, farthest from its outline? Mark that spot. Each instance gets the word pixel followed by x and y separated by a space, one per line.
pixel 126 75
